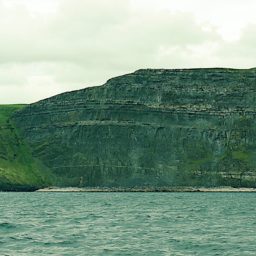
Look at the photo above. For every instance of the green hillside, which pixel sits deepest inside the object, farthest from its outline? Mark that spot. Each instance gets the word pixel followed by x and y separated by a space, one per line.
pixel 18 169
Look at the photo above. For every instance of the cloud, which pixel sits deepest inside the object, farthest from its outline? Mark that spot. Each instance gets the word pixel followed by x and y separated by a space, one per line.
pixel 241 53
pixel 227 17
pixel 53 46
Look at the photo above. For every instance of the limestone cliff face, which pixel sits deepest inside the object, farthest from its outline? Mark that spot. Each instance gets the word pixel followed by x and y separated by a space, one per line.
pixel 151 127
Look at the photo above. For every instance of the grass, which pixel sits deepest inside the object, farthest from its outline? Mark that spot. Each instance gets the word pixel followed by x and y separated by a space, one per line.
pixel 241 155
pixel 17 165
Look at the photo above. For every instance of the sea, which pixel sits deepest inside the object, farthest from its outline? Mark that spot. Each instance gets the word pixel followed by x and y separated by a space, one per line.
pixel 127 223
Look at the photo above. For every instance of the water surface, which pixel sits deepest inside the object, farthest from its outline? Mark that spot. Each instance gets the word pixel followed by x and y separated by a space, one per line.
pixel 127 224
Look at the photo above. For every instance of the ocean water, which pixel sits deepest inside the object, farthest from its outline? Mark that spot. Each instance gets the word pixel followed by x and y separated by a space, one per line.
pixel 127 224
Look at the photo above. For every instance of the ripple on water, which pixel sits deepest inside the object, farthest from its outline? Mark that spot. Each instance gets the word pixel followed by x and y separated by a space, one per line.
pixel 7 225
pixel 127 224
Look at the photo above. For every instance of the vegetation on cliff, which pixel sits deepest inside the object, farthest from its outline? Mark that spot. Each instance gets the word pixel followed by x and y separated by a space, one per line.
pixel 19 171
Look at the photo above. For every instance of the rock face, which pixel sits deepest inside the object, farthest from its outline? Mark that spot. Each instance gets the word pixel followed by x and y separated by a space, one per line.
pixel 193 127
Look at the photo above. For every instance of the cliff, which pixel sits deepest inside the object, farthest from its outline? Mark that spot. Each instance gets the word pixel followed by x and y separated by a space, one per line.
pixel 191 127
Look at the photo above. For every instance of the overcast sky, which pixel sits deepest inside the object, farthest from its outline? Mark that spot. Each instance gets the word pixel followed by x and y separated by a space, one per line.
pixel 52 46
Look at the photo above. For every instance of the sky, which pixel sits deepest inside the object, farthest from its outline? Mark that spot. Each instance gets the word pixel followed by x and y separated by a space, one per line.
pixel 52 46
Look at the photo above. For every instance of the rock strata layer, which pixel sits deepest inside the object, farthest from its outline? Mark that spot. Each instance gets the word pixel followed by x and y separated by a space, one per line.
pixel 153 127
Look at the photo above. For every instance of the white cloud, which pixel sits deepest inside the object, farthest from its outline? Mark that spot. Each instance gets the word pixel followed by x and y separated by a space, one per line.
pixel 228 17
pixel 52 46
pixel 34 7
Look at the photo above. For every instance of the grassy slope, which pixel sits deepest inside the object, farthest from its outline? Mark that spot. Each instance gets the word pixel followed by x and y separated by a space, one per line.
pixel 18 169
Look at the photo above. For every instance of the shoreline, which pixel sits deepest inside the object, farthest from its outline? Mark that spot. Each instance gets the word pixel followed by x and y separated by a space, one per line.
pixel 146 189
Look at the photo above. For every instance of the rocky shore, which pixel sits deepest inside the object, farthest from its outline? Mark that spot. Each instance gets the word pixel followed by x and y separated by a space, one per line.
pixel 146 189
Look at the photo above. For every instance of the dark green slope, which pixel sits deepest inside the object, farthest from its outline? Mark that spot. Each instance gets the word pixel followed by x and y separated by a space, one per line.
pixel 19 171
pixel 193 127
